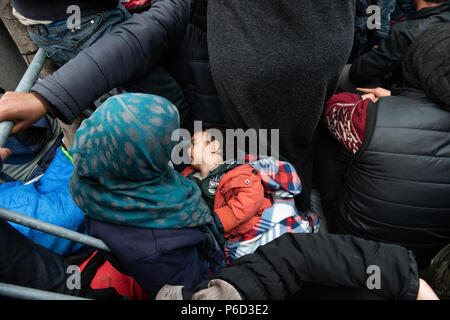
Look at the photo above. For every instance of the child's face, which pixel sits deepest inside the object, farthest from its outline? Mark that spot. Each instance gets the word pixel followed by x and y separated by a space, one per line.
pixel 199 150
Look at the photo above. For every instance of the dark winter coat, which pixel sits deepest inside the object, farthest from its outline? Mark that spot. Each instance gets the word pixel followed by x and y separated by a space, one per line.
pixel 384 64
pixel 275 63
pixel 283 267
pixel 397 190
pixel 159 36
pixel 155 257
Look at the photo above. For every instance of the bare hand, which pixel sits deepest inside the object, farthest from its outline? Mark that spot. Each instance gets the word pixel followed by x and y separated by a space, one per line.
pixel 370 96
pixel 23 109
pixel 425 291
pixel 377 92
pixel 4 153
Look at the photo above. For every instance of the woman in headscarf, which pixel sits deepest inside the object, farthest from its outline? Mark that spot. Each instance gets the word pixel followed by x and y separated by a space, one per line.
pixel 151 217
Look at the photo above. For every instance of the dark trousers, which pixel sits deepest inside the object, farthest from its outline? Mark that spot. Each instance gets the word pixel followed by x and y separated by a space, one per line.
pixel 332 162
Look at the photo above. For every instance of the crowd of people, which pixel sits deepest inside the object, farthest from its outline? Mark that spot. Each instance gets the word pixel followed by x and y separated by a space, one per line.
pixel 361 178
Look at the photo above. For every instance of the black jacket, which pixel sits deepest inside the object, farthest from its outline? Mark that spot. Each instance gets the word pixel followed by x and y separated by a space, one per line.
pixel 383 65
pixel 159 36
pixel 397 187
pixel 283 267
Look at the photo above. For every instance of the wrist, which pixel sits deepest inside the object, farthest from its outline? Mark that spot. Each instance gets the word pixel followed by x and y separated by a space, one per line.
pixel 47 107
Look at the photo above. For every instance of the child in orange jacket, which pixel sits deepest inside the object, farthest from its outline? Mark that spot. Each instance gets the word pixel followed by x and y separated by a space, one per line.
pixel 252 203
pixel 233 192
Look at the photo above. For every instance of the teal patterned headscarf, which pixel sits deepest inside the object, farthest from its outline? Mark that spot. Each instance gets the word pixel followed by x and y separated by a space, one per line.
pixel 122 174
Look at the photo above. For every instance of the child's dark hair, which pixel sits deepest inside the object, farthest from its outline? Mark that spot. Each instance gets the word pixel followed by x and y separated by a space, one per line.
pixel 223 144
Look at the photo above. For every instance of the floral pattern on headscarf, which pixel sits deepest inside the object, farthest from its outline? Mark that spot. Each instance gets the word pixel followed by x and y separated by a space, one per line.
pixel 122 174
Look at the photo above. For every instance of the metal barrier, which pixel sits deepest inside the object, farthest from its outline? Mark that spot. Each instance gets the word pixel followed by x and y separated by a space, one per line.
pixel 52 229
pixel 25 84
pixel 18 292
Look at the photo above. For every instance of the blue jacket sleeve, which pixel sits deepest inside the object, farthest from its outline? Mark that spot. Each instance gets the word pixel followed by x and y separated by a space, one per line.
pixel 132 48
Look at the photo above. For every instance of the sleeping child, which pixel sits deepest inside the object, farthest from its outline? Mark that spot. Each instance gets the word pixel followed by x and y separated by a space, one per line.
pixel 251 203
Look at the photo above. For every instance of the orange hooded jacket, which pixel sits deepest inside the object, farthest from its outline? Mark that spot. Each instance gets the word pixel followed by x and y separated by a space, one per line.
pixel 239 200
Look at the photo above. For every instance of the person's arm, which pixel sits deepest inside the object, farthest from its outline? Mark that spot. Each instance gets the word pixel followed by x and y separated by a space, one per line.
pixel 345 117
pixel 4 153
pixel 244 202
pixel 426 292
pixel 281 267
pixel 375 64
pixel 132 48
